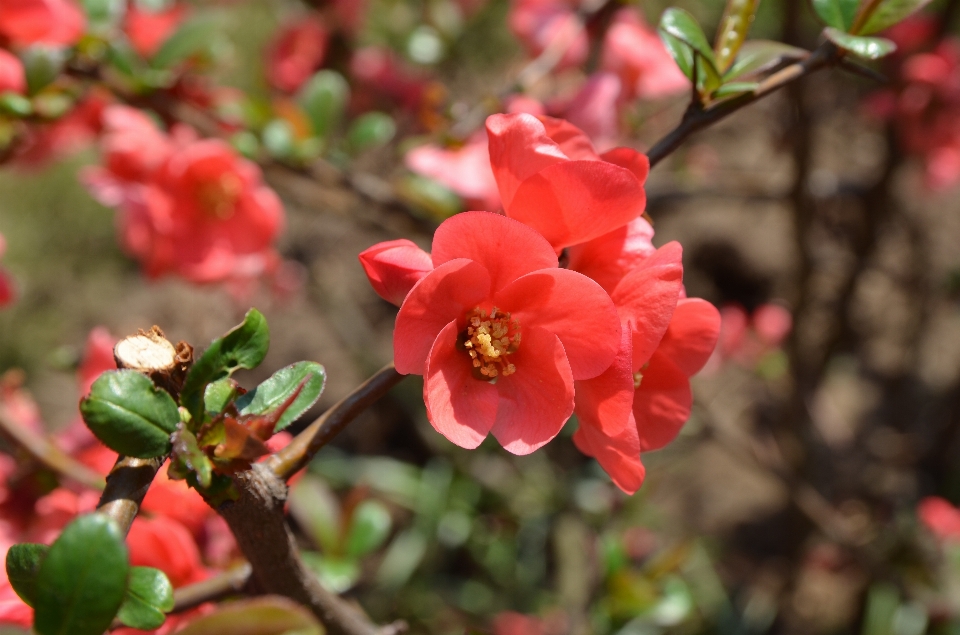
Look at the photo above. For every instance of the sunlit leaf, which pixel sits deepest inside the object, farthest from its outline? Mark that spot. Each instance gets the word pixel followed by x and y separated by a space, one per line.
pixel 369 528
pixel 890 12
pixel 324 98
pixel 307 377
pixel 149 596
pixel 680 52
pixel 734 25
pixel 838 14
pixel 870 48
pixel 335 573
pixel 371 130
pixel 735 88
pixel 683 26
pixel 757 55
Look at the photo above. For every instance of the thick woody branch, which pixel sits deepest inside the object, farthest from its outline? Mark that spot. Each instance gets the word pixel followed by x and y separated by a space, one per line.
pixel 305 445
pixel 150 353
pixel 697 117
pixel 47 453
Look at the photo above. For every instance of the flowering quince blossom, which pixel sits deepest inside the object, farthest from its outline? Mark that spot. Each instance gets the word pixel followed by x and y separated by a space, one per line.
pixel 634 52
pixel 747 337
pixel 49 22
pixel 148 30
pixel 296 52
pixel 189 207
pixel 551 178
pixel 12 75
pixel 540 23
pixel 499 332
pixel 941 517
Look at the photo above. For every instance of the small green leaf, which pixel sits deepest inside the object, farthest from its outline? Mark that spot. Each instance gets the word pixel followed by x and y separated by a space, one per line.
pixel 191 38
pixel 336 574
pixel 890 12
pixel 15 104
pixel 220 394
pixel 735 88
pixel 149 597
pixel 870 48
pixel 279 138
pixel 130 415
pixel 683 26
pixel 42 65
pixel 680 52
pixel 757 55
pixel 369 528
pixel 371 130
pixel 83 579
pixel 23 564
pixel 838 14
pixel 243 346
pixel 188 458
pixel 103 15
pixel 269 615
pixel 428 195
pixel 737 18
pixel 317 511
pixel 280 386
pixel 124 58
pixel 324 99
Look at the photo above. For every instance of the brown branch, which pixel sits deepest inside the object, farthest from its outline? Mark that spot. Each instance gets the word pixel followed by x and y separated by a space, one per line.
pixel 47 453
pixel 230 582
pixel 305 445
pixel 697 117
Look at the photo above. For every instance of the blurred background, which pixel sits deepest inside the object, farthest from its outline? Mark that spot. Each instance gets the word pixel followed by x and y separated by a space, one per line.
pixel 823 221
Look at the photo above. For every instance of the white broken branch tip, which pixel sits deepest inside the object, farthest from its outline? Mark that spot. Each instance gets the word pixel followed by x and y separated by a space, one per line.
pixel 146 352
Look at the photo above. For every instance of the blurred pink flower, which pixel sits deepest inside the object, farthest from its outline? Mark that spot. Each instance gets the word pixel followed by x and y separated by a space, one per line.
pixel 381 77
pixel 8 291
pixel 941 517
pixel 464 170
pixel 12 76
pixel 747 337
pixel 633 51
pixel 296 52
pixel 148 30
pixel 541 23
pixel 49 22
pixel 595 109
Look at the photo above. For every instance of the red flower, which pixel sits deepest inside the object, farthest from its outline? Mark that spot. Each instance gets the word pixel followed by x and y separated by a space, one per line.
pixel 464 170
pixel 461 325
pixel 12 76
pixel 148 30
pixel 941 517
pixel 551 178
pixel 634 52
pixel 296 52
pixel 542 23
pixel 51 22
pixel 8 292
pixel 194 208
pixel 382 78
pixel 393 267
pixel 165 544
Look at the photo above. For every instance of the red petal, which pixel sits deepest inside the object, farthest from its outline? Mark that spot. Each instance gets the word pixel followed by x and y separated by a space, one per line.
pixel 692 335
pixel 576 201
pixel 662 403
pixel 573 307
pixel 629 158
pixel 572 141
pixel 519 148
pixel 647 297
pixel 8 291
pixel 393 267
pixel 536 400
pixel 506 248
pixel 459 406
pixel 444 294
pixel 610 257
pixel 614 454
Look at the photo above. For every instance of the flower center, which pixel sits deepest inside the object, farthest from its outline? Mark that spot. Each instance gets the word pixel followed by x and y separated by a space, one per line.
pixel 489 340
pixel 218 197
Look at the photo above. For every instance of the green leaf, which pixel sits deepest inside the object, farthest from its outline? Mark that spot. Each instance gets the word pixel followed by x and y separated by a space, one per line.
pixel 103 15
pixel 735 88
pixel 83 579
pixel 737 18
pixel 188 458
pixel 130 415
pixel 269 615
pixel 371 130
pixel 870 48
pixel 369 528
pixel 191 38
pixel 890 12
pixel 279 138
pixel 243 346
pixel 317 511
pixel 149 597
pixel 680 52
pixel 428 195
pixel 756 55
pixel 708 79
pixel 15 104
pixel 683 26
pixel 220 394
pixel 42 65
pixel 336 574
pixel 838 14
pixel 324 98
pixel 23 564
pixel 280 386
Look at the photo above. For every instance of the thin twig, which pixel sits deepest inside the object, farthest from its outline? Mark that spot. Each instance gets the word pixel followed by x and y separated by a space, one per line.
pixel 230 582
pixel 47 453
pixel 305 445
pixel 697 117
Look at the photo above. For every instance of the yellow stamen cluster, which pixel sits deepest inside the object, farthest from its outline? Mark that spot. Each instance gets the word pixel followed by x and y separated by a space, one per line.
pixel 219 197
pixel 489 340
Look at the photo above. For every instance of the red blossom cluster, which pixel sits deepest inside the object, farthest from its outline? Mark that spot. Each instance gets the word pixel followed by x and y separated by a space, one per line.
pixel 8 292
pixel 511 344
pixel 187 206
